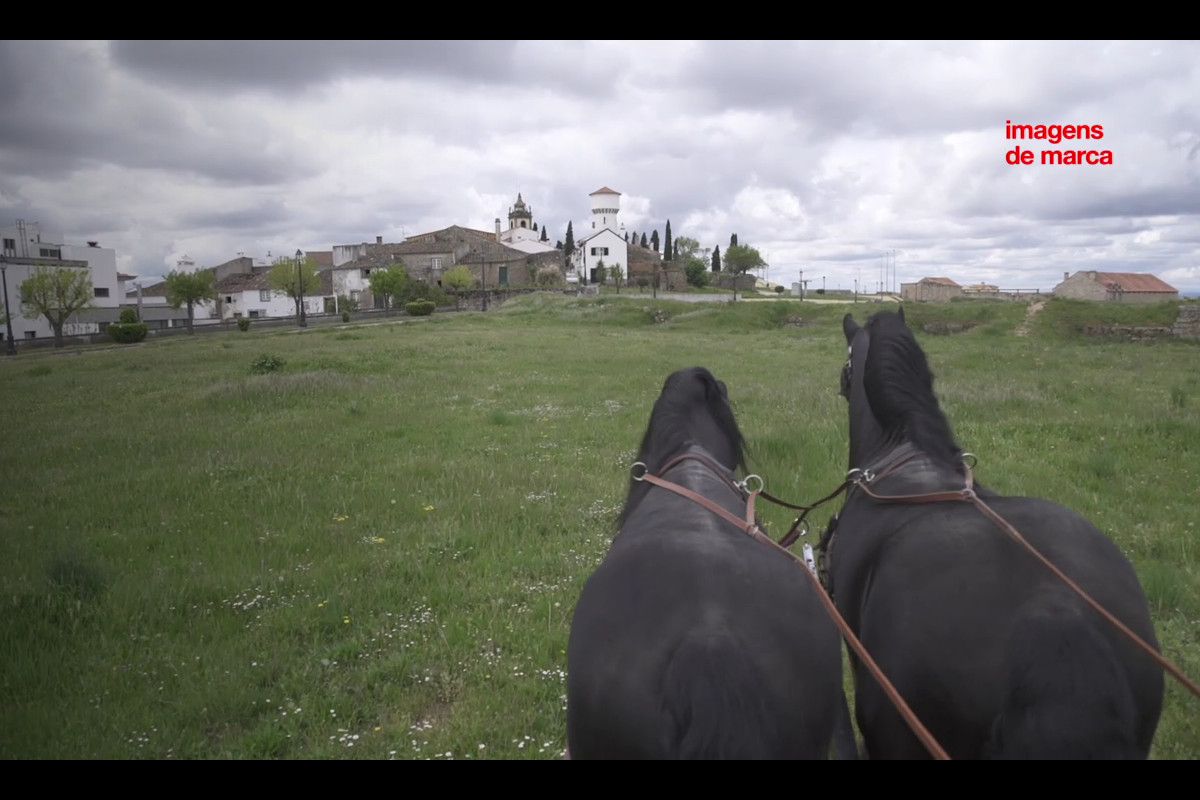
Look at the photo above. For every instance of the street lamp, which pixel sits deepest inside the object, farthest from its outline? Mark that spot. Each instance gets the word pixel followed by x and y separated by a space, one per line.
pixel 300 288
pixel 11 348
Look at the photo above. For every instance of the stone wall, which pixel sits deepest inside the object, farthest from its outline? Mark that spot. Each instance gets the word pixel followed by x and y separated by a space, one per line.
pixel 1187 324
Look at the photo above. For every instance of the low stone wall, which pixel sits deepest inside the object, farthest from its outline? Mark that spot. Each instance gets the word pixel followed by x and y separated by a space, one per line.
pixel 1187 324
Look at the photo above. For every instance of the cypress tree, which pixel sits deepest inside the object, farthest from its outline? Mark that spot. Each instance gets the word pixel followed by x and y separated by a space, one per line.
pixel 716 267
pixel 644 241
pixel 667 255
pixel 654 241
pixel 733 240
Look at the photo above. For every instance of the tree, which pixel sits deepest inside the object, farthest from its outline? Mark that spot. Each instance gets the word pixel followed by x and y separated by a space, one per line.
pixel 696 271
pixel 569 247
pixel 654 241
pixel 535 227
pixel 740 259
pixel 558 245
pixel 459 278
pixel 626 237
pixel 545 236
pixel 617 274
pixel 733 240
pixel 297 284
pixel 667 243
pixel 190 288
pixel 601 272
pixel 644 244
pixel 56 293
pixel 716 261
pixel 390 284
pixel 684 248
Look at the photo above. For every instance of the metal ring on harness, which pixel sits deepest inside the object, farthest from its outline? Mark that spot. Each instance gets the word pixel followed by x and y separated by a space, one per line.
pixel 633 471
pixel 857 475
pixel 745 483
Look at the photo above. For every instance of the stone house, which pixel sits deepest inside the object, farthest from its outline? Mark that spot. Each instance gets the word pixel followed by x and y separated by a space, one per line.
pixel 1126 287
pixel 930 290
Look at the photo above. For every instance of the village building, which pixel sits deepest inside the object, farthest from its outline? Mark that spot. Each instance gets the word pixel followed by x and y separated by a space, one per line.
pixel 1120 287
pixel 930 290
pixel 603 241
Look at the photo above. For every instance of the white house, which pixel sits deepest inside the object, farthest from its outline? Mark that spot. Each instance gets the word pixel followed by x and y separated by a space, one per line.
pixel 26 246
pixel 603 240
pixel 242 288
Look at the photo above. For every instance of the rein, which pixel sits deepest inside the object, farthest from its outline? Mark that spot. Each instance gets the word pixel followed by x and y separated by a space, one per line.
pixel 861 478
pixel 750 527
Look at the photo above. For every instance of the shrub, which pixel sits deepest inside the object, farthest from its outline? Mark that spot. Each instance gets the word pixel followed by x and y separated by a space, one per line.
pixel 243 323
pixel 549 277
pixel 345 316
pixel 266 363
pixel 420 308
pixel 778 290
pixel 128 315
pixel 127 332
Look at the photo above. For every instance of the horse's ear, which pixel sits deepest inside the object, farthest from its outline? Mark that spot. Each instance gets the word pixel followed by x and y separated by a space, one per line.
pixel 901 313
pixel 849 327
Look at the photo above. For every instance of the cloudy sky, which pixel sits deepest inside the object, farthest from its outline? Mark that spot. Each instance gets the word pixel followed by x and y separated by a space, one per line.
pixel 823 155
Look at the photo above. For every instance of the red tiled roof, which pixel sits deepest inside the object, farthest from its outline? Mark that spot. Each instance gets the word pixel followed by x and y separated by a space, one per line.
pixel 939 281
pixel 604 190
pixel 1133 282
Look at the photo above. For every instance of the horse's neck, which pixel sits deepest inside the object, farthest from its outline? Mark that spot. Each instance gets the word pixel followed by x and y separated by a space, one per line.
pixel 874 453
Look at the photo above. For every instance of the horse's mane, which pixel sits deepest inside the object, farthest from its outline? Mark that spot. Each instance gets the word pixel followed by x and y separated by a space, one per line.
pixel 899 388
pixel 670 430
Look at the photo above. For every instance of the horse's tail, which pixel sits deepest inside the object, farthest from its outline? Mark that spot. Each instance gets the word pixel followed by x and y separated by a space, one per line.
pixel 716 706
pixel 1068 695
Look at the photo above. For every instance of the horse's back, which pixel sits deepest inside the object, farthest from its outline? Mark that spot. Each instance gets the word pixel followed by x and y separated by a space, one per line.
pixel 700 648
pixel 973 628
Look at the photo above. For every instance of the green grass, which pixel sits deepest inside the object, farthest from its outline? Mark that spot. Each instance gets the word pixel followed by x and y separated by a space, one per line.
pixel 1065 317
pixel 373 551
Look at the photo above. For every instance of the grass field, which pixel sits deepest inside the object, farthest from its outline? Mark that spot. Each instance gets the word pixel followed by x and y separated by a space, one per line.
pixel 374 551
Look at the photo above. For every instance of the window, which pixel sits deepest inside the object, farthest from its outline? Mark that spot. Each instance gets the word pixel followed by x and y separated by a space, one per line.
pixel 50 252
pixel 30 334
pixel 10 246
pixel 504 276
pixel 228 298
pixel 436 262
pixel 100 291
pixel 256 312
pixel 599 251
pixel 366 273
pixel 264 295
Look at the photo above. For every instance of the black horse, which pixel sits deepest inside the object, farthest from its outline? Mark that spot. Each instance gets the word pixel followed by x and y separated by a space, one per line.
pixel 692 640
pixel 997 656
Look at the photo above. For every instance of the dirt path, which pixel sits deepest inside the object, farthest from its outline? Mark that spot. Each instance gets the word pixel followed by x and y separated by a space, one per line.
pixel 1030 313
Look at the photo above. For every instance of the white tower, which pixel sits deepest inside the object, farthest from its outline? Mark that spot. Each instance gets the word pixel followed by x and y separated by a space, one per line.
pixel 186 264
pixel 606 204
